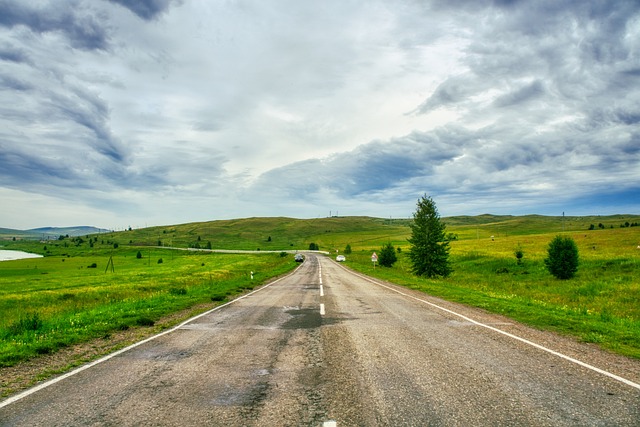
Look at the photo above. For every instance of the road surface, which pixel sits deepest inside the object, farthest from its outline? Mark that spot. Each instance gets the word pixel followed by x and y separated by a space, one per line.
pixel 328 347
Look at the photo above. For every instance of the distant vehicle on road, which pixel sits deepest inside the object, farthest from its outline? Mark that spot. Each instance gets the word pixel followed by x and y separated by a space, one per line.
pixel 340 258
pixel 298 258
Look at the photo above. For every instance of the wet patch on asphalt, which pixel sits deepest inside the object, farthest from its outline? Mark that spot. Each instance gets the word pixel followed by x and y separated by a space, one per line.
pixel 251 397
pixel 306 318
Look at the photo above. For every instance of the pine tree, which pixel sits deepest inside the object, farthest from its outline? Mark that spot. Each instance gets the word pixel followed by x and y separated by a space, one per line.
pixel 562 260
pixel 429 251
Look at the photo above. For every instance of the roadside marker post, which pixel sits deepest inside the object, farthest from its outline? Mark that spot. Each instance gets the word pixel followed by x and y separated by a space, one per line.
pixel 374 259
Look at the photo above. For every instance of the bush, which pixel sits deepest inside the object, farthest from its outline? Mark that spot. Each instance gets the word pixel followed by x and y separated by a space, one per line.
pixel 30 322
pixel 388 255
pixel 139 255
pixel 519 253
pixel 314 247
pixel 347 249
pixel 562 260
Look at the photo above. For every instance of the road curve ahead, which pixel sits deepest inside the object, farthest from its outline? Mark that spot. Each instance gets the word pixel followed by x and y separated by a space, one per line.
pixel 328 347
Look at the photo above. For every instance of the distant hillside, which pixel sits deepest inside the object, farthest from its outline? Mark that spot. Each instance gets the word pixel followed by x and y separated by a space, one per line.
pixel 49 232
pixel 276 233
pixel 9 233
pixel 281 233
pixel 71 231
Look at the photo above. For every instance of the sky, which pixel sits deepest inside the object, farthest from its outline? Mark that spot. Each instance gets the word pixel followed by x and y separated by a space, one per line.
pixel 133 113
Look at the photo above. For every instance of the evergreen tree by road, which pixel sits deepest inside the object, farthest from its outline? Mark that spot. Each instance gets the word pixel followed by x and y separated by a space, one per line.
pixel 429 251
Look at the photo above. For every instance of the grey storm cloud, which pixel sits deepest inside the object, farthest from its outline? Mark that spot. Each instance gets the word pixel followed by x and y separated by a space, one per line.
pixel 91 114
pixel 12 83
pixel 11 54
pixel 373 167
pixel 83 30
pixel 145 9
pixel 575 48
pixel 523 94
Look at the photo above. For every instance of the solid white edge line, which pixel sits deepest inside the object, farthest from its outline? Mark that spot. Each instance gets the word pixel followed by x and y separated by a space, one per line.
pixel 48 383
pixel 515 337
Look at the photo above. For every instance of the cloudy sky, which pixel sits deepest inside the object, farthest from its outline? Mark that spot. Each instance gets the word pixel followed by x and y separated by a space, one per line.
pixel 152 112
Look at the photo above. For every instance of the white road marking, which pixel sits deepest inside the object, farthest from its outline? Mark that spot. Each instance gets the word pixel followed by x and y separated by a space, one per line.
pixel 329 424
pixel 46 384
pixel 515 337
pixel 321 289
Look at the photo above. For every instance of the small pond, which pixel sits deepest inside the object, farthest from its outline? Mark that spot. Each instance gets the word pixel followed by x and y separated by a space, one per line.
pixel 11 255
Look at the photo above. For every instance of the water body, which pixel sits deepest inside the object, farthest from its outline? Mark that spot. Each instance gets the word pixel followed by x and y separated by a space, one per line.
pixel 11 255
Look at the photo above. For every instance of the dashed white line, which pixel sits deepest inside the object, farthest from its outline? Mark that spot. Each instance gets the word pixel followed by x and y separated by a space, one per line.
pixel 321 309
pixel 329 424
pixel 321 290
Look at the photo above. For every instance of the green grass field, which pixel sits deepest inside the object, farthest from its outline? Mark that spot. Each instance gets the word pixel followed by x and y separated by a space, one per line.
pixel 58 301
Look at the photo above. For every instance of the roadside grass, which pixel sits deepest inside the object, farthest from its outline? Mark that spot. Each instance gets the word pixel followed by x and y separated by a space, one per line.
pixel 57 301
pixel 600 305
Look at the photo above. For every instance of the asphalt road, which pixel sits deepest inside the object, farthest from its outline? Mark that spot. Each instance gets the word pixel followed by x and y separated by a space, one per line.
pixel 327 347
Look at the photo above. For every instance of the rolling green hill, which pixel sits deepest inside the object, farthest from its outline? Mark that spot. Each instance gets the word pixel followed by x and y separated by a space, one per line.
pixel 266 233
pixel 281 233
